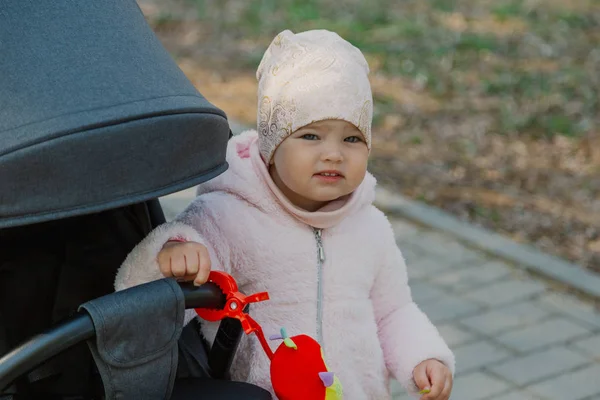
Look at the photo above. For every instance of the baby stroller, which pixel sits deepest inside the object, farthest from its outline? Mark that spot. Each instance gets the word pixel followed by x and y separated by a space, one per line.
pixel 96 123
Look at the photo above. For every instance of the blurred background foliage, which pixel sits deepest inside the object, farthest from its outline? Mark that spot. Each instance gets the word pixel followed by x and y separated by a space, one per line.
pixel 485 108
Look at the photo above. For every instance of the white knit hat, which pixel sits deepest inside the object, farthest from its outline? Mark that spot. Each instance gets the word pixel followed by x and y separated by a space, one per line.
pixel 309 77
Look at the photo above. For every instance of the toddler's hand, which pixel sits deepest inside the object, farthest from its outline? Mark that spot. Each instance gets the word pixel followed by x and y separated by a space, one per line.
pixel 434 376
pixel 185 260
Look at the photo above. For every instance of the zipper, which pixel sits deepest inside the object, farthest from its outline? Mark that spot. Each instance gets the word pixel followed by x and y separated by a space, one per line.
pixel 320 260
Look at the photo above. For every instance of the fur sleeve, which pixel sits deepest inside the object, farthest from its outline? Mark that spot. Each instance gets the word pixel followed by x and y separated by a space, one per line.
pixel 407 336
pixel 195 225
pixel 141 264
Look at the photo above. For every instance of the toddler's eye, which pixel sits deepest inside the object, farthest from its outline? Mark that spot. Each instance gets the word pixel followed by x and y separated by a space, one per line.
pixel 353 139
pixel 309 136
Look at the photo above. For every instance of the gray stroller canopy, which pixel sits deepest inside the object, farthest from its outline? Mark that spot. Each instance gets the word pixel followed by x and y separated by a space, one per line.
pixel 94 113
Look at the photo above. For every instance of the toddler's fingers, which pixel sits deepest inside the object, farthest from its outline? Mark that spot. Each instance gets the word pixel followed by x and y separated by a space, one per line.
pixel 447 388
pixel 204 267
pixel 178 265
pixel 191 263
pixel 165 269
pixel 164 264
pixel 201 278
pixel 204 258
pixel 421 378
pixel 434 392
pixel 437 377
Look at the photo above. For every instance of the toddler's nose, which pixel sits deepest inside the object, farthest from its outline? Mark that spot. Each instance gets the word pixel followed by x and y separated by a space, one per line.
pixel 332 153
pixel 334 157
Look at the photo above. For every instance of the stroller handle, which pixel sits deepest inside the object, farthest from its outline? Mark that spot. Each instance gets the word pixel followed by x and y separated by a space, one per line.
pixel 54 341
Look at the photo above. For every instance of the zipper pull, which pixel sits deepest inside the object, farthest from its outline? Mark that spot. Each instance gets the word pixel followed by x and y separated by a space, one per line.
pixel 319 236
pixel 321 253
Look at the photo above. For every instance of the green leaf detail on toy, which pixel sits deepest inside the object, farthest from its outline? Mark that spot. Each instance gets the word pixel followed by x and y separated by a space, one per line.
pixel 290 343
pixel 425 391
pixel 287 341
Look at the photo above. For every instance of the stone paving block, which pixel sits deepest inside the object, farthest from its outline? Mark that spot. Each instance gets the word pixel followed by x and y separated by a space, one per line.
pixel 576 385
pixel 589 346
pixel 572 306
pixel 447 247
pixel 476 355
pixel 425 292
pixel 449 308
pixel 436 241
pixel 538 366
pixel 410 256
pixel 172 207
pixel 477 386
pixel 404 229
pixel 552 331
pixel 473 277
pixel 397 391
pixel 506 318
pixel 411 242
pixel 426 267
pixel 508 291
pixel 516 395
pixel 455 335
pixel 402 396
pixel 396 388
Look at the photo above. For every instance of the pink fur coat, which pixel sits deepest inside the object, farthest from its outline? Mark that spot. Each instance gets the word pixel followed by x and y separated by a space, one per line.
pixel 371 327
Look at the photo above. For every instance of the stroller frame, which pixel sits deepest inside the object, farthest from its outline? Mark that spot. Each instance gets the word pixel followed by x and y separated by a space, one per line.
pixel 95 118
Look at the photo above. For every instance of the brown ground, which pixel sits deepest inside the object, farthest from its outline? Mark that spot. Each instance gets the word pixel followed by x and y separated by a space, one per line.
pixel 451 149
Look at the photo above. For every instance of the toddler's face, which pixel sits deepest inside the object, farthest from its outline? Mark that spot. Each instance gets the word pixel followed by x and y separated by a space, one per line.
pixel 319 163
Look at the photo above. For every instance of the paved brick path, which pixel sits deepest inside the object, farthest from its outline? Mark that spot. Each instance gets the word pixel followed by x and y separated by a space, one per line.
pixel 515 338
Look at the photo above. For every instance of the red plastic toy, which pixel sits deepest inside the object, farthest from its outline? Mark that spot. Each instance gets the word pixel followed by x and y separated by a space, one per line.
pixel 298 369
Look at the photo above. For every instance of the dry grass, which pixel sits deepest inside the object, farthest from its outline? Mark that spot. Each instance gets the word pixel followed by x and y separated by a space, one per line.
pixel 488 109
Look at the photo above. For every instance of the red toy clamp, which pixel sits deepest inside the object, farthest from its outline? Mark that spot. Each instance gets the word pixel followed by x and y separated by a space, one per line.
pixel 298 371
pixel 235 304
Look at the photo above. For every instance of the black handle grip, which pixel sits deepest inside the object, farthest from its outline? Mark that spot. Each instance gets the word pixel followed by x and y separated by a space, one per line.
pixel 44 346
pixel 225 346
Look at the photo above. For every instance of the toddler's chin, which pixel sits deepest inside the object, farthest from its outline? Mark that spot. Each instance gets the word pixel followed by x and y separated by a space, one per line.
pixel 327 197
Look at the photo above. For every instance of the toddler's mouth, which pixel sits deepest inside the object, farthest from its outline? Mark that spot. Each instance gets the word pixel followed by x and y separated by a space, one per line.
pixel 331 173
pixel 329 176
